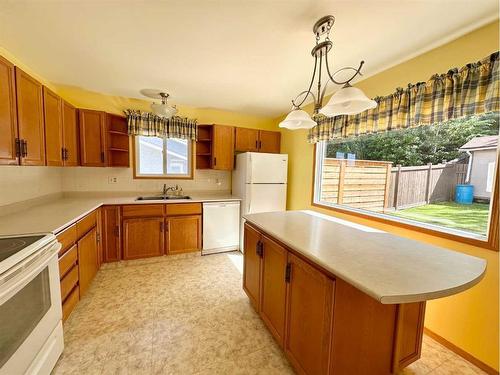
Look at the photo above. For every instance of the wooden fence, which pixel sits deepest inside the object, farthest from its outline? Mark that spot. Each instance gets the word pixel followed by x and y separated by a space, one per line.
pixel 377 186
pixel 419 185
pixel 357 183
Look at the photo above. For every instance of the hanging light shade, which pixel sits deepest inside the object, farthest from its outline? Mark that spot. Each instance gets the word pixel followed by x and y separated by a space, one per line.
pixel 163 109
pixel 297 119
pixel 347 101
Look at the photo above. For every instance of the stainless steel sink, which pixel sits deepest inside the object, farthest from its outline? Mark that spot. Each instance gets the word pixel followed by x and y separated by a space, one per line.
pixel 163 197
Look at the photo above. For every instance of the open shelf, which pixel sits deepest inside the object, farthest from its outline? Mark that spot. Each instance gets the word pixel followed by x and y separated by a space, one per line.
pixel 204 147
pixel 118 141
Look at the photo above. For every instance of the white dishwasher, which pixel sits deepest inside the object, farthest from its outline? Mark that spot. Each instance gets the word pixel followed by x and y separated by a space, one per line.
pixel 221 227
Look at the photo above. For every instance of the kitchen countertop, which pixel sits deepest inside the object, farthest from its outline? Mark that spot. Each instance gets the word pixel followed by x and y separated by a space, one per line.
pixel 55 215
pixel 389 268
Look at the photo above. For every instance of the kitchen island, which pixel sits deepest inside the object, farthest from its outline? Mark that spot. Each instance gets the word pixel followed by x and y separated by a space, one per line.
pixel 341 298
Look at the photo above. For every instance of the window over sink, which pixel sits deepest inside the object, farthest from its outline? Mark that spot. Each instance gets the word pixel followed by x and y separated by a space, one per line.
pixel 157 157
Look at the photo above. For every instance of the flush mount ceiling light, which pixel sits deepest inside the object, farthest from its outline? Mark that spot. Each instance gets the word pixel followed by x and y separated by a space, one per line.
pixel 160 109
pixel 346 101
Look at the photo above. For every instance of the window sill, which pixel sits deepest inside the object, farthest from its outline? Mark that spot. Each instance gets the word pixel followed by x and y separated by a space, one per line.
pixel 470 239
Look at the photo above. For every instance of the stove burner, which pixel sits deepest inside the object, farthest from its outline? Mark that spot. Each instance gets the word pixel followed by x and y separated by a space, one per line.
pixel 12 245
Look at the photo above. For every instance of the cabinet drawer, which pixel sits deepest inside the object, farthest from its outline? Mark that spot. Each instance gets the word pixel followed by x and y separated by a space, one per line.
pixel 70 302
pixel 142 210
pixel 68 282
pixel 67 261
pixel 67 238
pixel 86 224
pixel 183 209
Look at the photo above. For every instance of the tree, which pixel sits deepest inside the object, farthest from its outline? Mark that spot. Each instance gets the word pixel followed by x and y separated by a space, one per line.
pixel 420 145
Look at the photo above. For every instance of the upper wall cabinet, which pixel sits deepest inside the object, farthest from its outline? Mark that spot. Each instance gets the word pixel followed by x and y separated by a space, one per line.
pixel 52 110
pixel 9 142
pixel 92 138
pixel 223 147
pixel 30 119
pixel 253 140
pixel 70 135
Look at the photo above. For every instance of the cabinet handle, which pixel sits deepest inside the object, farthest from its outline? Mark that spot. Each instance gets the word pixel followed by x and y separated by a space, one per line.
pixel 98 237
pixel 117 231
pixel 215 161
pixel 24 148
pixel 63 155
pixel 257 144
pixel 18 147
pixel 260 145
pixel 102 157
pixel 161 226
pixel 259 248
pixel 288 272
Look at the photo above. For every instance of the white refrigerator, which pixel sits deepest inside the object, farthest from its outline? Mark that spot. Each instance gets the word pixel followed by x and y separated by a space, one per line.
pixel 260 180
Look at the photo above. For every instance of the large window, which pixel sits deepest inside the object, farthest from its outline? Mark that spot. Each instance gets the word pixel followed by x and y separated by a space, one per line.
pixel 438 177
pixel 163 157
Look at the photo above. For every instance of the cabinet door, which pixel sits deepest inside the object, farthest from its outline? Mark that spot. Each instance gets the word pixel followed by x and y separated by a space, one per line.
pixel 223 147
pixel 246 140
pixel 273 289
pixel 252 266
pixel 71 136
pixel 52 111
pixel 92 138
pixel 88 262
pixel 143 237
pixel 183 234
pixel 309 308
pixel 110 216
pixel 8 116
pixel 30 118
pixel 269 141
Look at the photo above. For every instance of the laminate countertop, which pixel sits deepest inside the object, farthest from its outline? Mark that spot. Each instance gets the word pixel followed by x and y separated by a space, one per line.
pixel 57 214
pixel 389 268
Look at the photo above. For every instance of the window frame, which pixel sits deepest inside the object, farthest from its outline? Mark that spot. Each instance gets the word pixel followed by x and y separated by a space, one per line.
pixel 191 165
pixel 491 242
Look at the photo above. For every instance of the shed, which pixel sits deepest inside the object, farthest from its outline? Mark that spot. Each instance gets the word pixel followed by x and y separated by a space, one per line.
pixel 482 153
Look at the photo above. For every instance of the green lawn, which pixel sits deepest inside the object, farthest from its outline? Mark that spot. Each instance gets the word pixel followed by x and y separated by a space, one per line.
pixel 471 218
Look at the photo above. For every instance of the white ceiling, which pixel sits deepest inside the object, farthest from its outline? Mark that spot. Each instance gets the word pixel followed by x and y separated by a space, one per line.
pixel 248 56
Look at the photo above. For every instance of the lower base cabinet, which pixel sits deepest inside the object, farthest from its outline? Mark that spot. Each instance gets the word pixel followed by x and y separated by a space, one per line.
pixel 183 234
pixel 324 324
pixel 88 260
pixel 143 237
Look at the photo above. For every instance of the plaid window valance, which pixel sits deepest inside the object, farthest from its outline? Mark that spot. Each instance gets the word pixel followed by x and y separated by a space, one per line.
pixel 149 124
pixel 474 89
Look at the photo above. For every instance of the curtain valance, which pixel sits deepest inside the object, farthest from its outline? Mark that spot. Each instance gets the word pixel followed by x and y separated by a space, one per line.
pixel 473 89
pixel 149 124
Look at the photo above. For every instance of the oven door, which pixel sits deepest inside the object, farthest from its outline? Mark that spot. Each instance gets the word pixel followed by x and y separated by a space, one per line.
pixel 30 310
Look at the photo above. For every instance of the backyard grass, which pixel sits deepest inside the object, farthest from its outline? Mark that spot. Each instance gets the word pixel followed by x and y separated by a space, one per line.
pixel 470 218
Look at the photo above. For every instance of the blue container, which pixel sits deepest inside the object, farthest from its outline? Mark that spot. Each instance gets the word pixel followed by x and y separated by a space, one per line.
pixel 464 194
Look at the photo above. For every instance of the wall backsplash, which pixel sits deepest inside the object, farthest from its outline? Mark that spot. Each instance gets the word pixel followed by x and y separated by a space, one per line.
pixel 98 179
pixel 23 183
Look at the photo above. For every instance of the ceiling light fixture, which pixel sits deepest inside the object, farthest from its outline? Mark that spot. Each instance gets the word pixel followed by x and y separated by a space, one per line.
pixel 346 101
pixel 161 109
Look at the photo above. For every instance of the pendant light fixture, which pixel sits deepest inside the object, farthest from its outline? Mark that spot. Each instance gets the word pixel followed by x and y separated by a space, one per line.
pixel 346 101
pixel 161 109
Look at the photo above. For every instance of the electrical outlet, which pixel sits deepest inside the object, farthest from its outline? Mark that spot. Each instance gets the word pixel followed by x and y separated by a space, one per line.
pixel 112 180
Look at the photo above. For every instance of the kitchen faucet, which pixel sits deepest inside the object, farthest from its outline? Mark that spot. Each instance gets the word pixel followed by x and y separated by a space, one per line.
pixel 167 189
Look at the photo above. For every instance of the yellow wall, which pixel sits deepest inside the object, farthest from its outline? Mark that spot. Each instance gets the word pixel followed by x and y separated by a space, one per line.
pixel 469 320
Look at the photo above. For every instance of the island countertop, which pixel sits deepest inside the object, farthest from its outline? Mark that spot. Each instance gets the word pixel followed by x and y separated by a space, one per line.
pixel 389 268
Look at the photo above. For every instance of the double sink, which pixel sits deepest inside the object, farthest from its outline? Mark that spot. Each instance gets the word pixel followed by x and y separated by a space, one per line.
pixel 163 197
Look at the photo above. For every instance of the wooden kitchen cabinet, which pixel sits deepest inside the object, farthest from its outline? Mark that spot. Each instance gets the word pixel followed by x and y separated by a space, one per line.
pixel 252 266
pixel 92 138
pixel 309 309
pixel 54 140
pixel 246 140
pixel 9 147
pixel 88 259
pixel 143 237
pixel 30 119
pixel 70 135
pixel 183 234
pixel 269 141
pixel 273 287
pixel 223 147
pixel 111 233
pixel 253 140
